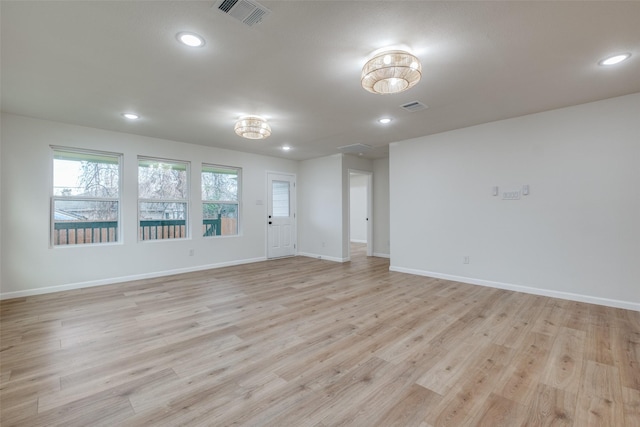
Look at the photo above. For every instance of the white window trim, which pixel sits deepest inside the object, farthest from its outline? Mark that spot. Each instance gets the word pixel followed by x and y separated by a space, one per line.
pixel 186 200
pixel 231 202
pixel 53 198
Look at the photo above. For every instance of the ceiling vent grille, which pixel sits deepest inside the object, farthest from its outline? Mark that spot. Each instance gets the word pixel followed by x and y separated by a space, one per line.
pixel 246 11
pixel 414 106
pixel 355 148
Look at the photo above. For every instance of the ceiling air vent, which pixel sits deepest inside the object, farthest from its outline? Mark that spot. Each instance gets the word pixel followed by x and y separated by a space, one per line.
pixel 246 11
pixel 414 106
pixel 355 148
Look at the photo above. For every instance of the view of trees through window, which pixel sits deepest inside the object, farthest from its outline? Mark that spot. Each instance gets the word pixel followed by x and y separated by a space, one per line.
pixel 86 191
pixel 220 200
pixel 86 198
pixel 163 193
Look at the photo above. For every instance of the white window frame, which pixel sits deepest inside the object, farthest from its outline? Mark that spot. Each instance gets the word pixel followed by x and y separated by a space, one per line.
pixel 54 198
pixel 185 201
pixel 237 203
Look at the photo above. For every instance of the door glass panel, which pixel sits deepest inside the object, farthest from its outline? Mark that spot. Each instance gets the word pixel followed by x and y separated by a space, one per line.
pixel 280 201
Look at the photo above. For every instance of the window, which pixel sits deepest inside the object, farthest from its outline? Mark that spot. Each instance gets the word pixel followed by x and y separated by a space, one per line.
pixel 163 196
pixel 280 204
pixel 220 200
pixel 85 206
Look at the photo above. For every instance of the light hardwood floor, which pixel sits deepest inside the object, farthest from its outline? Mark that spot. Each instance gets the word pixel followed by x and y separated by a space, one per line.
pixel 305 342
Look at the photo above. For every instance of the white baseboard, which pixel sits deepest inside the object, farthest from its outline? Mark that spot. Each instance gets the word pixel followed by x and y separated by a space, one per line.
pixel 111 281
pixel 525 289
pixel 358 241
pixel 381 255
pixel 327 258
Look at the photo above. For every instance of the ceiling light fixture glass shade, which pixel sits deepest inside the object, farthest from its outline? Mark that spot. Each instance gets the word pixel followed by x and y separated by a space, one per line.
pixel 252 127
pixel 392 71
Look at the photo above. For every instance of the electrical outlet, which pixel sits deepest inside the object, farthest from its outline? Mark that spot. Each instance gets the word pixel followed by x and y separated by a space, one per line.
pixel 323 244
pixel 191 252
pixel 465 259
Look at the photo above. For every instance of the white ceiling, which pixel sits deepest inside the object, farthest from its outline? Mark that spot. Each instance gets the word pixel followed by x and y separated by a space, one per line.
pixel 86 62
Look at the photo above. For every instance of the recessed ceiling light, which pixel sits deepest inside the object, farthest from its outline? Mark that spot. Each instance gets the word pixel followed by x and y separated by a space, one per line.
pixel 384 120
pixel 130 116
pixel 286 148
pixel 190 39
pixel 615 59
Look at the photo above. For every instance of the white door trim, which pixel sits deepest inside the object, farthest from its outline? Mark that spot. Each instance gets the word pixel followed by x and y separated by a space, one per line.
pixel 293 210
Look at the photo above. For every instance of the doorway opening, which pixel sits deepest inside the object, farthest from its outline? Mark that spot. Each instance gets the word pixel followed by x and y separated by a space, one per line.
pixel 360 210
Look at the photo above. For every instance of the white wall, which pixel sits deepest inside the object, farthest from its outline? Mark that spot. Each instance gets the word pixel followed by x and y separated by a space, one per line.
pixel 1 198
pixel 323 198
pixel 381 239
pixel 30 266
pixel 358 208
pixel 576 236
pixel 320 208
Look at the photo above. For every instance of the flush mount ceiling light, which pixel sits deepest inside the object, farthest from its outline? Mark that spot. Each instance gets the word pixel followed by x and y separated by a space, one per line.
pixel 615 59
pixel 384 120
pixel 252 127
pixel 391 71
pixel 130 116
pixel 286 148
pixel 190 39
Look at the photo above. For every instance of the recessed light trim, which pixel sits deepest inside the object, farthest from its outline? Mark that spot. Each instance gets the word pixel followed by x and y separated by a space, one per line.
pixel 130 116
pixel 190 39
pixel 286 148
pixel 615 59
pixel 384 120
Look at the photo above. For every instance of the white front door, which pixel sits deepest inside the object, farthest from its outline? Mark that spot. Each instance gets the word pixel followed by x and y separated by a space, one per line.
pixel 281 213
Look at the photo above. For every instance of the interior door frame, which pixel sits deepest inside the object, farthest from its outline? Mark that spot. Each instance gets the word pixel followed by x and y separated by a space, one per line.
pixel 293 207
pixel 369 194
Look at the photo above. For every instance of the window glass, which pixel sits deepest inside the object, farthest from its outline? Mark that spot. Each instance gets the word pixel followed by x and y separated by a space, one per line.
pixel 280 202
pixel 86 197
pixel 220 200
pixel 163 196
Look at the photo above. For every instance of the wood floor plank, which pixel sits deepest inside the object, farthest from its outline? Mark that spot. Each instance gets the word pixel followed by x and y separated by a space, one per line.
pixel 471 390
pixel 411 408
pixel 306 342
pixel 17 413
pixel 378 391
pixel 497 411
pixel 522 377
pixel 551 407
pixel 566 360
pixel 596 411
pixel 627 354
pixel 631 402
pixel 599 344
